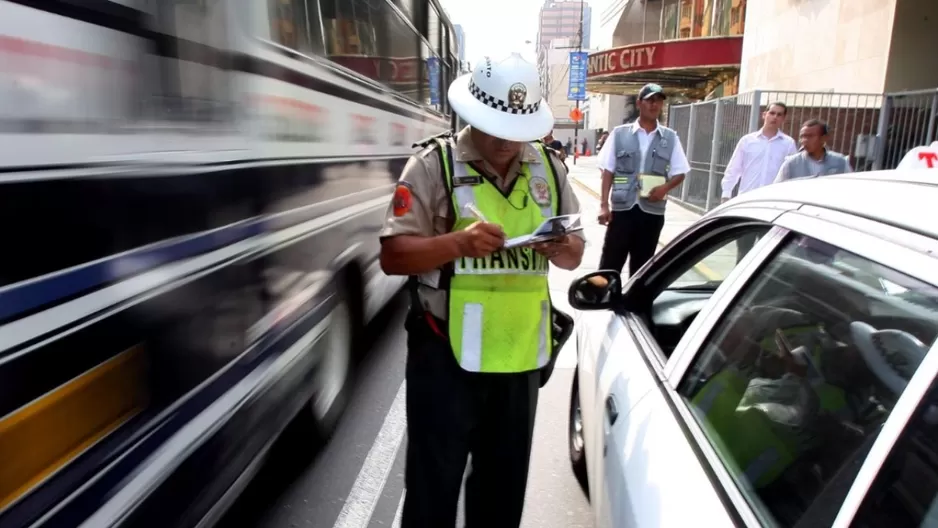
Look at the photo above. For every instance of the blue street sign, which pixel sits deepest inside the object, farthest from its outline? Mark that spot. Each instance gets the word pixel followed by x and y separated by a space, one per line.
pixel 433 69
pixel 576 91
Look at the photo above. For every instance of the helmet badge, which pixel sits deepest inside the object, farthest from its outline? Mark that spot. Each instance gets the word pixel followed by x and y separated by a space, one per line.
pixel 517 93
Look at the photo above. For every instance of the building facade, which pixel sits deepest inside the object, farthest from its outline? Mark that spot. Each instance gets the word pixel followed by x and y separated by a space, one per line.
pixel 842 46
pixel 693 48
pixel 559 26
pixel 703 49
pixel 561 19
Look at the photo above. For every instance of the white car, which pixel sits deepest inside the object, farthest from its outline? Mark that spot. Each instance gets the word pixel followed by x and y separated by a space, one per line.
pixel 789 387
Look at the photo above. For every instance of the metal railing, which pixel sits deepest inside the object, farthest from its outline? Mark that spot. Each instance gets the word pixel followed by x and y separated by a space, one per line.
pixel 874 130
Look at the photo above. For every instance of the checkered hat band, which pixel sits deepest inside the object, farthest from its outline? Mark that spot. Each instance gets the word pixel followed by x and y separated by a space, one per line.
pixel 498 104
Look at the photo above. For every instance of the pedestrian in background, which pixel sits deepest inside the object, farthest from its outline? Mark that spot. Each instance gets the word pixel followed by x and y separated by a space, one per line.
pixel 814 159
pixel 555 144
pixel 756 160
pixel 641 163
pixel 759 155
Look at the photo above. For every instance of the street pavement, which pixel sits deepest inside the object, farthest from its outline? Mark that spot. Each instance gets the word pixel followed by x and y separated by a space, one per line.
pixel 357 479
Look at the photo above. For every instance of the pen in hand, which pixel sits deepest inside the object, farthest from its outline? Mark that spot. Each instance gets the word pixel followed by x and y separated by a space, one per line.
pixel 475 212
pixel 485 226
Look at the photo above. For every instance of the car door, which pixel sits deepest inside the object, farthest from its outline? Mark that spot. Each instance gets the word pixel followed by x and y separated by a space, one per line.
pixel 630 366
pixel 779 390
pixel 595 332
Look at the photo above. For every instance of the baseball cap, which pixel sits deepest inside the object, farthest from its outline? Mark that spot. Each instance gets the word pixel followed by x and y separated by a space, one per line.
pixel 649 90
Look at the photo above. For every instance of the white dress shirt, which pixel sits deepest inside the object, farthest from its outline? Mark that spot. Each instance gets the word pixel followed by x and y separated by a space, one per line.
pixel 607 155
pixel 756 161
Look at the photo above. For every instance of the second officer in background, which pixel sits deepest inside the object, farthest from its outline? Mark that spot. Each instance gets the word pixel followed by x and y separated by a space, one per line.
pixel 641 162
pixel 480 328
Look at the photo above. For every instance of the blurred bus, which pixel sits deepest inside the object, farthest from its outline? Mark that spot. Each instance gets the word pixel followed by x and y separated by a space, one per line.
pixel 190 197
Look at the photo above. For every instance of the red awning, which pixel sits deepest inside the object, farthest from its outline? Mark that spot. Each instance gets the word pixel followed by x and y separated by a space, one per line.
pixel 688 67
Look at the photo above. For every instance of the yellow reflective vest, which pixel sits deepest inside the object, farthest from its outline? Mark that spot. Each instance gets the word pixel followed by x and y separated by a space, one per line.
pixel 499 306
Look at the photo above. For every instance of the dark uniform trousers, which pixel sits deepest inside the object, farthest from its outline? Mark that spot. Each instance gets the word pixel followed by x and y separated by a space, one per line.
pixel 452 413
pixel 631 234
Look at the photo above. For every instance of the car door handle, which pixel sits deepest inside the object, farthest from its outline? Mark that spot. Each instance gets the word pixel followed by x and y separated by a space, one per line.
pixel 612 410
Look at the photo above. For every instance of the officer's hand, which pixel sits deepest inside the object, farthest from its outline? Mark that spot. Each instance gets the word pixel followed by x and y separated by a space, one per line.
pixel 481 239
pixel 604 215
pixel 658 193
pixel 552 248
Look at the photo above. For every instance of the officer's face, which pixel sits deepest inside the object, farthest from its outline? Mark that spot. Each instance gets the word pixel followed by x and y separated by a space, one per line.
pixel 495 150
pixel 650 108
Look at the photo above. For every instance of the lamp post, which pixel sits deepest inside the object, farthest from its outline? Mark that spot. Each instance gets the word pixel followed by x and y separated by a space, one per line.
pixel 576 124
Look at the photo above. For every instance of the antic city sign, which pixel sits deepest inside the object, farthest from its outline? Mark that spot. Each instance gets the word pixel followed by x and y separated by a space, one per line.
pixel 622 60
pixel 666 55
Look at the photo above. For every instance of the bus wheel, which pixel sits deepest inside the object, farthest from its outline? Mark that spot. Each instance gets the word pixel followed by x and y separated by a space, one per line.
pixel 333 373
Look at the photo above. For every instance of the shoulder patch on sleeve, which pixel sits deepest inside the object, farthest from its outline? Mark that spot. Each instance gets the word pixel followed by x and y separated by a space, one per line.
pixel 403 199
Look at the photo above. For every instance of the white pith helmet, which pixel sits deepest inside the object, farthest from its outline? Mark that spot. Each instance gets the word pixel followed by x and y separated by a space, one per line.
pixel 503 99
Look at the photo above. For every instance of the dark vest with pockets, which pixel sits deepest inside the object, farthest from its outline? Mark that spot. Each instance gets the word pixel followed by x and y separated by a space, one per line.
pixel 626 185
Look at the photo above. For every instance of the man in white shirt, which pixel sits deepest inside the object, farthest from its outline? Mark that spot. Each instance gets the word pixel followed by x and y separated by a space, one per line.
pixel 756 161
pixel 641 162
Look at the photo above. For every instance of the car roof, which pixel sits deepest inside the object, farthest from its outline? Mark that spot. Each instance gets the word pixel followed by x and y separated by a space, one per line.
pixel 907 199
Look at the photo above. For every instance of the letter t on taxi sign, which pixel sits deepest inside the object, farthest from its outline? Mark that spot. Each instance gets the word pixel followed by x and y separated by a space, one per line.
pixel 930 158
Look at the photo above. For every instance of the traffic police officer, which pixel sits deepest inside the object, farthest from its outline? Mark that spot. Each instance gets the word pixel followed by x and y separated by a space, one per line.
pixel 632 159
pixel 479 330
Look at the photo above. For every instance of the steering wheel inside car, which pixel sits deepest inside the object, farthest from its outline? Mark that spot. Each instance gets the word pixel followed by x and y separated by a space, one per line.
pixel 892 355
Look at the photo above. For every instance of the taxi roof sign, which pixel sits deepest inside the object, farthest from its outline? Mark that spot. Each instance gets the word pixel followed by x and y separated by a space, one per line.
pixel 921 158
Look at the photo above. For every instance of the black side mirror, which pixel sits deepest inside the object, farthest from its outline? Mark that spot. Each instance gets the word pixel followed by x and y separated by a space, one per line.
pixel 598 290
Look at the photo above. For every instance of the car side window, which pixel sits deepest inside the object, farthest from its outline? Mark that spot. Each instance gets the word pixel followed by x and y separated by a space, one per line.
pixel 905 492
pixel 795 382
pixel 676 297
pixel 718 260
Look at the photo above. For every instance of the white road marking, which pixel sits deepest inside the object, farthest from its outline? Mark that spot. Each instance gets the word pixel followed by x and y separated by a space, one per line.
pixel 400 512
pixel 364 495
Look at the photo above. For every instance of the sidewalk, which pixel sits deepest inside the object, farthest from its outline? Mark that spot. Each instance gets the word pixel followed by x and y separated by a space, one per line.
pixel 586 180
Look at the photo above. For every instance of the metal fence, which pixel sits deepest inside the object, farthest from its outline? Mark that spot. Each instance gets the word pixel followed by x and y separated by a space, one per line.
pixel 874 130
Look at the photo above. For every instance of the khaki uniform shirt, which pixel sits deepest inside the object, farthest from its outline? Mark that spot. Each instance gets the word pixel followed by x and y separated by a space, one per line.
pixel 430 207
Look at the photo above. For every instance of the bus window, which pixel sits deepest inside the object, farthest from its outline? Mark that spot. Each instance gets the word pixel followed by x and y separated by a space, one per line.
pixel 291 25
pixel 433 30
pixel 409 10
pixel 374 40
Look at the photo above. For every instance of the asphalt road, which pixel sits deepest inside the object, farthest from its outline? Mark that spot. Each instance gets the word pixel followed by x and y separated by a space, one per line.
pixel 357 480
